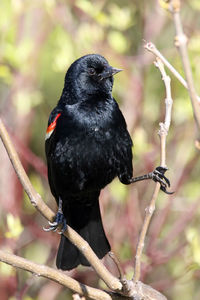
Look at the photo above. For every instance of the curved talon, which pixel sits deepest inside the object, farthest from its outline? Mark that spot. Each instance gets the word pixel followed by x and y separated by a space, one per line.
pixel 162 169
pixel 162 176
pixel 53 223
pixel 59 221
pixel 167 180
pixel 62 231
pixel 158 176
pixel 49 228
pixel 165 191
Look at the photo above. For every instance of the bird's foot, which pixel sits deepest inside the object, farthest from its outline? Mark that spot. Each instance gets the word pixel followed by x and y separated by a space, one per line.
pixel 59 221
pixel 158 175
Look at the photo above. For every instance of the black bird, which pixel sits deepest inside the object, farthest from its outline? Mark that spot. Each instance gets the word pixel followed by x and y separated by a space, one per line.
pixel 87 146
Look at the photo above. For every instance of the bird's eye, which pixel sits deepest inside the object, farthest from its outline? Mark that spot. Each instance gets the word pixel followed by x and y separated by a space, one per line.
pixel 91 71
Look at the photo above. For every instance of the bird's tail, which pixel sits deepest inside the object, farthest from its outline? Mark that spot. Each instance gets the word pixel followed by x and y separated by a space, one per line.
pixel 85 218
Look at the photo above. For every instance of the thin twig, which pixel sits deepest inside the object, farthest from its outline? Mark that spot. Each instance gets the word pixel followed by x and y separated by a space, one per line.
pixel 164 127
pixel 111 281
pixel 154 50
pixel 181 43
pixel 117 263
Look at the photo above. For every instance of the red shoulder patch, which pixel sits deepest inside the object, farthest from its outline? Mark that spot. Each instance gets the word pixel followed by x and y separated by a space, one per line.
pixel 52 126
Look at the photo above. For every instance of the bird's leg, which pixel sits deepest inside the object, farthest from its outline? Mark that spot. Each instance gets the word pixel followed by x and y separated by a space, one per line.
pixel 158 176
pixel 59 220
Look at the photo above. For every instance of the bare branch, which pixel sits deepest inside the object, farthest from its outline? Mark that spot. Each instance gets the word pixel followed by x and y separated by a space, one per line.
pixel 117 263
pixel 140 290
pixel 181 44
pixel 164 127
pixel 168 100
pixel 55 275
pixel 152 48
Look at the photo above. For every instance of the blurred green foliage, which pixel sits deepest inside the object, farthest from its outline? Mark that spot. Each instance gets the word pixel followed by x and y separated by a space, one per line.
pixel 39 41
pixel 15 227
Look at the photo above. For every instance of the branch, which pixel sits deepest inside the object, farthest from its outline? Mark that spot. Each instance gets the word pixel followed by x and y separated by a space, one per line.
pixel 140 290
pixel 181 43
pixel 117 264
pixel 152 48
pixel 36 200
pixel 55 275
pixel 164 128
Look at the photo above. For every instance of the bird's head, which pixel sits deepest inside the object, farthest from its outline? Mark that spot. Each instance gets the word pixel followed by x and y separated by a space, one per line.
pixel 91 75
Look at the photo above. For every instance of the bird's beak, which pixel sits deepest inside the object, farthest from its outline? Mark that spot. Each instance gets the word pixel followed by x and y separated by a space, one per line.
pixel 110 71
pixel 115 70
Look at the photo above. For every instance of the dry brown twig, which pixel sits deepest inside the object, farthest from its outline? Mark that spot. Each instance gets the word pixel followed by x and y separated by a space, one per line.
pixel 154 50
pixel 55 275
pixel 181 44
pixel 164 128
pixel 196 107
pixel 140 291
pixel 128 289
pixel 117 264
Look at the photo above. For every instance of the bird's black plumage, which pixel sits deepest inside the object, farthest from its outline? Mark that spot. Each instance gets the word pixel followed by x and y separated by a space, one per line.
pixel 87 148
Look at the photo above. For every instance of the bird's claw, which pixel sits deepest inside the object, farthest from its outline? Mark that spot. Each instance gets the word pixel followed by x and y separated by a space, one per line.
pixel 158 176
pixel 53 223
pixel 59 221
pixel 50 228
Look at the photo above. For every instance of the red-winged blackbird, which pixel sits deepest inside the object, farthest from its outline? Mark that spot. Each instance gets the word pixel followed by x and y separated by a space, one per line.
pixel 87 146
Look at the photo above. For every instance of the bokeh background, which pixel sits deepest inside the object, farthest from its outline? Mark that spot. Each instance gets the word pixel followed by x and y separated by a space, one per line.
pixel 39 40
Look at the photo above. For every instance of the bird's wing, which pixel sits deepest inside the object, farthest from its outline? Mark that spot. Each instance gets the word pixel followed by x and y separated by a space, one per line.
pixel 125 171
pixel 55 114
